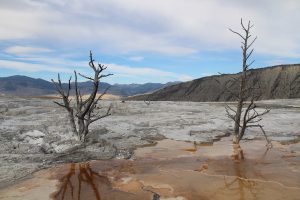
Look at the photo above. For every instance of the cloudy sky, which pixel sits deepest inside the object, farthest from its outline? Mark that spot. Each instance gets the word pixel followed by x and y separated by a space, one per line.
pixel 141 40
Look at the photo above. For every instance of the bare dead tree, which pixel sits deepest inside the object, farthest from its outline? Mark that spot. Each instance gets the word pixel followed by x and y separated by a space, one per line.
pixel 245 115
pixel 84 111
pixel 147 102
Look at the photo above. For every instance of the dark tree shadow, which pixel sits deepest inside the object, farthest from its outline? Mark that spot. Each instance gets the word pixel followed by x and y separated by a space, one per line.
pixel 81 182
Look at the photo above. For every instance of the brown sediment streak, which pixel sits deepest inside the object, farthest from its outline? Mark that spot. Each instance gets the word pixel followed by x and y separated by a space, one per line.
pixel 169 172
pixel 249 179
pixel 173 172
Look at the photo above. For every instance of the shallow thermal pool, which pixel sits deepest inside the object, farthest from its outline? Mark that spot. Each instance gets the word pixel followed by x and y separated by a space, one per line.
pixel 173 170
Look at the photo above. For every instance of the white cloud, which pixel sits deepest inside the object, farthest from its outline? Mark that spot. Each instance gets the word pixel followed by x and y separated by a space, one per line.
pixel 41 29
pixel 25 50
pixel 185 78
pixel 177 27
pixel 63 66
pixel 275 62
pixel 30 67
pixel 147 73
pixel 136 58
pixel 206 74
pixel 138 71
pixel 58 61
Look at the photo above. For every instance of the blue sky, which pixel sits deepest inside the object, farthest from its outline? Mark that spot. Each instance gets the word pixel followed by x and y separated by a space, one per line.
pixel 143 41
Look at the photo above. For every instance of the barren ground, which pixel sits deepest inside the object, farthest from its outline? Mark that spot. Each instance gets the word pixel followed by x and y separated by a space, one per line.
pixel 35 134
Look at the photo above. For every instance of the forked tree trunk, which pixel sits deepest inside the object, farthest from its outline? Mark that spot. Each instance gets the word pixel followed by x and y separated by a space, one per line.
pixel 83 129
pixel 239 131
pixel 85 109
pixel 236 130
pixel 72 122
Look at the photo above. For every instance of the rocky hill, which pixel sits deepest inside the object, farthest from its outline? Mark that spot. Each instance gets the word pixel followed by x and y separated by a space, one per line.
pixel 26 86
pixel 276 82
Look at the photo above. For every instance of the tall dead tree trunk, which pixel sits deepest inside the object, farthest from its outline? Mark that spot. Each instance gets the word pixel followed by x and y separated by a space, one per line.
pixel 83 112
pixel 245 114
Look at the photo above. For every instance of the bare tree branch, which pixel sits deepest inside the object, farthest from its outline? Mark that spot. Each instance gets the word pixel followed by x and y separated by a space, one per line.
pixel 237 33
pixel 84 108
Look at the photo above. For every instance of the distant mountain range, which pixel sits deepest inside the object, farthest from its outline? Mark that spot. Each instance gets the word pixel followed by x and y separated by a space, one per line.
pixel 276 82
pixel 26 86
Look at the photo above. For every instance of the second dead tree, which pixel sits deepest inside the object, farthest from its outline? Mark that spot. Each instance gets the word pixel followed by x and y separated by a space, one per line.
pixel 245 115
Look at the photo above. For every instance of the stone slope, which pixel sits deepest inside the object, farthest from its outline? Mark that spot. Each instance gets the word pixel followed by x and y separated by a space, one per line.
pixel 277 82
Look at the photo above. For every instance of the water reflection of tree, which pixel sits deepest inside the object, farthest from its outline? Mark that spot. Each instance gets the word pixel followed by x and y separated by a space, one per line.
pixel 80 176
pixel 240 185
